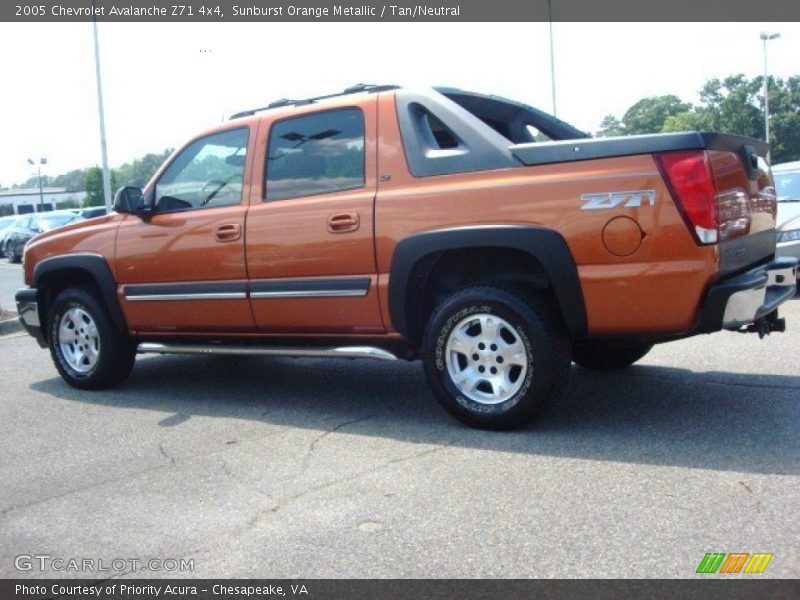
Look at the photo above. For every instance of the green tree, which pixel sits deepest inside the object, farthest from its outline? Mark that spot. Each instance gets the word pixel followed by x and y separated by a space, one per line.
pixel 72 181
pixel 648 114
pixel 94 186
pixel 139 171
pixel 734 104
pixel 686 121
pixel 610 126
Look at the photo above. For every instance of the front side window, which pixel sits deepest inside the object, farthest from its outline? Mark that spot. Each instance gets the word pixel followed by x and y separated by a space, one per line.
pixel 207 173
pixel 316 154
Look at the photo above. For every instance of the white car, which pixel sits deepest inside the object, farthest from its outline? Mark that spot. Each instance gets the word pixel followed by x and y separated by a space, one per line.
pixel 787 187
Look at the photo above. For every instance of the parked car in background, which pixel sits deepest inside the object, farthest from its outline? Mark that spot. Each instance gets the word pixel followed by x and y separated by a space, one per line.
pixel 5 224
pixel 28 226
pixel 789 238
pixel 787 187
pixel 92 211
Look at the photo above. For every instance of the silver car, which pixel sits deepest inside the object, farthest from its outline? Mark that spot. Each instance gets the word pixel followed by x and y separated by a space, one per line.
pixel 787 186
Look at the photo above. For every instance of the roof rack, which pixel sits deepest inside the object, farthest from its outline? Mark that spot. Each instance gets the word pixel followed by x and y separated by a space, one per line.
pixel 354 89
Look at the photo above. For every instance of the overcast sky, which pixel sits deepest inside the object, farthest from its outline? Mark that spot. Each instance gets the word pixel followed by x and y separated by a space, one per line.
pixel 164 82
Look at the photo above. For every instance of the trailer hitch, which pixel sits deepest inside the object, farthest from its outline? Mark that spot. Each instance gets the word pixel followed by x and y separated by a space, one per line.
pixel 765 325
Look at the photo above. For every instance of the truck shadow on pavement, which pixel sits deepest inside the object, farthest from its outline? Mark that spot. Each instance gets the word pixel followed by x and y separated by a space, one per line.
pixel 645 414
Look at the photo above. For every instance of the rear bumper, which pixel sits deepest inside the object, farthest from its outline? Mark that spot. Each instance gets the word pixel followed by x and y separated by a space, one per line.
pixel 28 309
pixel 743 299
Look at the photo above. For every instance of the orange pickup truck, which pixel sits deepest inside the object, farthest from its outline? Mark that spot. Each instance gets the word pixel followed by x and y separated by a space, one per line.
pixel 491 240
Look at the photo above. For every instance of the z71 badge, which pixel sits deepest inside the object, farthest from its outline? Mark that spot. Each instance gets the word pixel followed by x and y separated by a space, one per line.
pixel 614 199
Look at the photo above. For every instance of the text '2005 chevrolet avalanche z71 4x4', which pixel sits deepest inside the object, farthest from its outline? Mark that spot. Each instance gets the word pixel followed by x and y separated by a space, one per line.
pixel 491 240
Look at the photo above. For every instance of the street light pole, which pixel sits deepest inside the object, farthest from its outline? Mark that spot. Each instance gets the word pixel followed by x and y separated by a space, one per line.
pixel 42 161
pixel 101 112
pixel 41 192
pixel 765 37
pixel 552 56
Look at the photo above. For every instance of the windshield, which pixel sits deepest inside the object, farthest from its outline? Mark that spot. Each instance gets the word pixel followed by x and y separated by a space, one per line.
pixel 6 222
pixel 788 186
pixel 54 221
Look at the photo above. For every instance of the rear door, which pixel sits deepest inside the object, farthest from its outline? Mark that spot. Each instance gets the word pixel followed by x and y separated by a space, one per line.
pixel 309 240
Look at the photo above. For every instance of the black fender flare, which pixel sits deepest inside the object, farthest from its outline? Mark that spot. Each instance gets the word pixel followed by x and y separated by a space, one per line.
pixel 97 267
pixel 546 246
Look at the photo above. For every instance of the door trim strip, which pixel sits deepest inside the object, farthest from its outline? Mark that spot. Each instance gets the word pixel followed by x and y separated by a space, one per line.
pixel 339 287
pixel 257 289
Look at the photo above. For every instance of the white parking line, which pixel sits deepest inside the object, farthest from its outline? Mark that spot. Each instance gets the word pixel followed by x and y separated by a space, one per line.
pixel 13 336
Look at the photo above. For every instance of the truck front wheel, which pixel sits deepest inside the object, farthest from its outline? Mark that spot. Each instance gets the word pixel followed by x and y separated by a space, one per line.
pixel 88 351
pixel 495 359
pixel 608 355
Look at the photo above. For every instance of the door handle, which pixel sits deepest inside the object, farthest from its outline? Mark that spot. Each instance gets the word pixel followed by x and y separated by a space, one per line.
pixel 229 232
pixel 343 222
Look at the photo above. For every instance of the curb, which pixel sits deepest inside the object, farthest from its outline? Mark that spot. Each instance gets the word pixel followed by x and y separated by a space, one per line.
pixel 9 326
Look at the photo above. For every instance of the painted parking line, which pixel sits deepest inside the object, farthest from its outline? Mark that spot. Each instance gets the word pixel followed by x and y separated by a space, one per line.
pixel 13 336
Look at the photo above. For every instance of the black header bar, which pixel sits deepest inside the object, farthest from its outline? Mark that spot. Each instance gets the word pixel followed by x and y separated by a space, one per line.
pixel 400 10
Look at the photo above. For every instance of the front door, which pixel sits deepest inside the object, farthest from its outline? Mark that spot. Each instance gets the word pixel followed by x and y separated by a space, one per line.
pixel 310 247
pixel 183 268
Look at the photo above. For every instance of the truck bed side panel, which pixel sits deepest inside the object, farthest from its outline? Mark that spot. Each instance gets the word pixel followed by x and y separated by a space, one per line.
pixel 656 289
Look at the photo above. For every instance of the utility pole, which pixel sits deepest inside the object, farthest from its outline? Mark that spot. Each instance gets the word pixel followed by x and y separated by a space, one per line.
pixel 765 37
pixel 552 57
pixel 100 110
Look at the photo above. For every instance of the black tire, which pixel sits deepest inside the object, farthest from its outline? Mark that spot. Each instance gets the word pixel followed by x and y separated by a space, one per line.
pixel 13 255
pixel 116 351
pixel 608 355
pixel 534 324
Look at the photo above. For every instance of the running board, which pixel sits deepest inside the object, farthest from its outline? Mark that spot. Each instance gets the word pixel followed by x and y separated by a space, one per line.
pixel 297 352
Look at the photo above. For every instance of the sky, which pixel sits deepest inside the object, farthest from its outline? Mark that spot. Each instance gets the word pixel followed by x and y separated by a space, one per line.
pixel 165 82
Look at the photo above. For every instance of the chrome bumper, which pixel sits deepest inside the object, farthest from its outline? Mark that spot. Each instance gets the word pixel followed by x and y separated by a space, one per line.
pixel 744 299
pixel 745 306
pixel 28 309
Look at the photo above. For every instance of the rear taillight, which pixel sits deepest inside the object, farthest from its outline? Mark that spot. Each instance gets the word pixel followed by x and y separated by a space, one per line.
pixel 689 177
pixel 712 216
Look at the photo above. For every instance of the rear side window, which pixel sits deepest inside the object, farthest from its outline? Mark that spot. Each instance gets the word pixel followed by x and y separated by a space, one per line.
pixel 316 154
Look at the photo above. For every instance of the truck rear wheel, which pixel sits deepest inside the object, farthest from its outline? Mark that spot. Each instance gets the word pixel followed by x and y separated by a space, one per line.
pixel 608 355
pixel 494 359
pixel 88 351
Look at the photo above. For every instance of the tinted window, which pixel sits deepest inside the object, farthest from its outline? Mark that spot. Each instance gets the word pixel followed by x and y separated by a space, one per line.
pixel 207 173
pixel 53 221
pixel 787 185
pixel 316 154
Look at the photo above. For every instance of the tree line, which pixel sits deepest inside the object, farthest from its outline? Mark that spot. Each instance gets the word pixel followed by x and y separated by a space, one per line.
pixel 734 104
pixel 731 105
pixel 137 173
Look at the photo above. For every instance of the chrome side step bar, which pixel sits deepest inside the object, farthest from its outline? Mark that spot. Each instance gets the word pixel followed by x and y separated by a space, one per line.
pixel 297 352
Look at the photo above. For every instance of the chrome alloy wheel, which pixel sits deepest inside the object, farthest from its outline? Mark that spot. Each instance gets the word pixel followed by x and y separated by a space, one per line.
pixel 79 340
pixel 486 359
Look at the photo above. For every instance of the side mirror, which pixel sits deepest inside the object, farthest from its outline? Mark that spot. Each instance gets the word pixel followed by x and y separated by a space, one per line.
pixel 129 200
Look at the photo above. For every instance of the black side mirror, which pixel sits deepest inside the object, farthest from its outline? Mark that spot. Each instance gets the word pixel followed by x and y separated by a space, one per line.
pixel 129 200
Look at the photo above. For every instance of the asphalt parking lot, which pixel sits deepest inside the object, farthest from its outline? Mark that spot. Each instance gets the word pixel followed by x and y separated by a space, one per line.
pixel 319 468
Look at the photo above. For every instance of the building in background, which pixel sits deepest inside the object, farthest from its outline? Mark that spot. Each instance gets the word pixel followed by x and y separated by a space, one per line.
pixel 24 201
